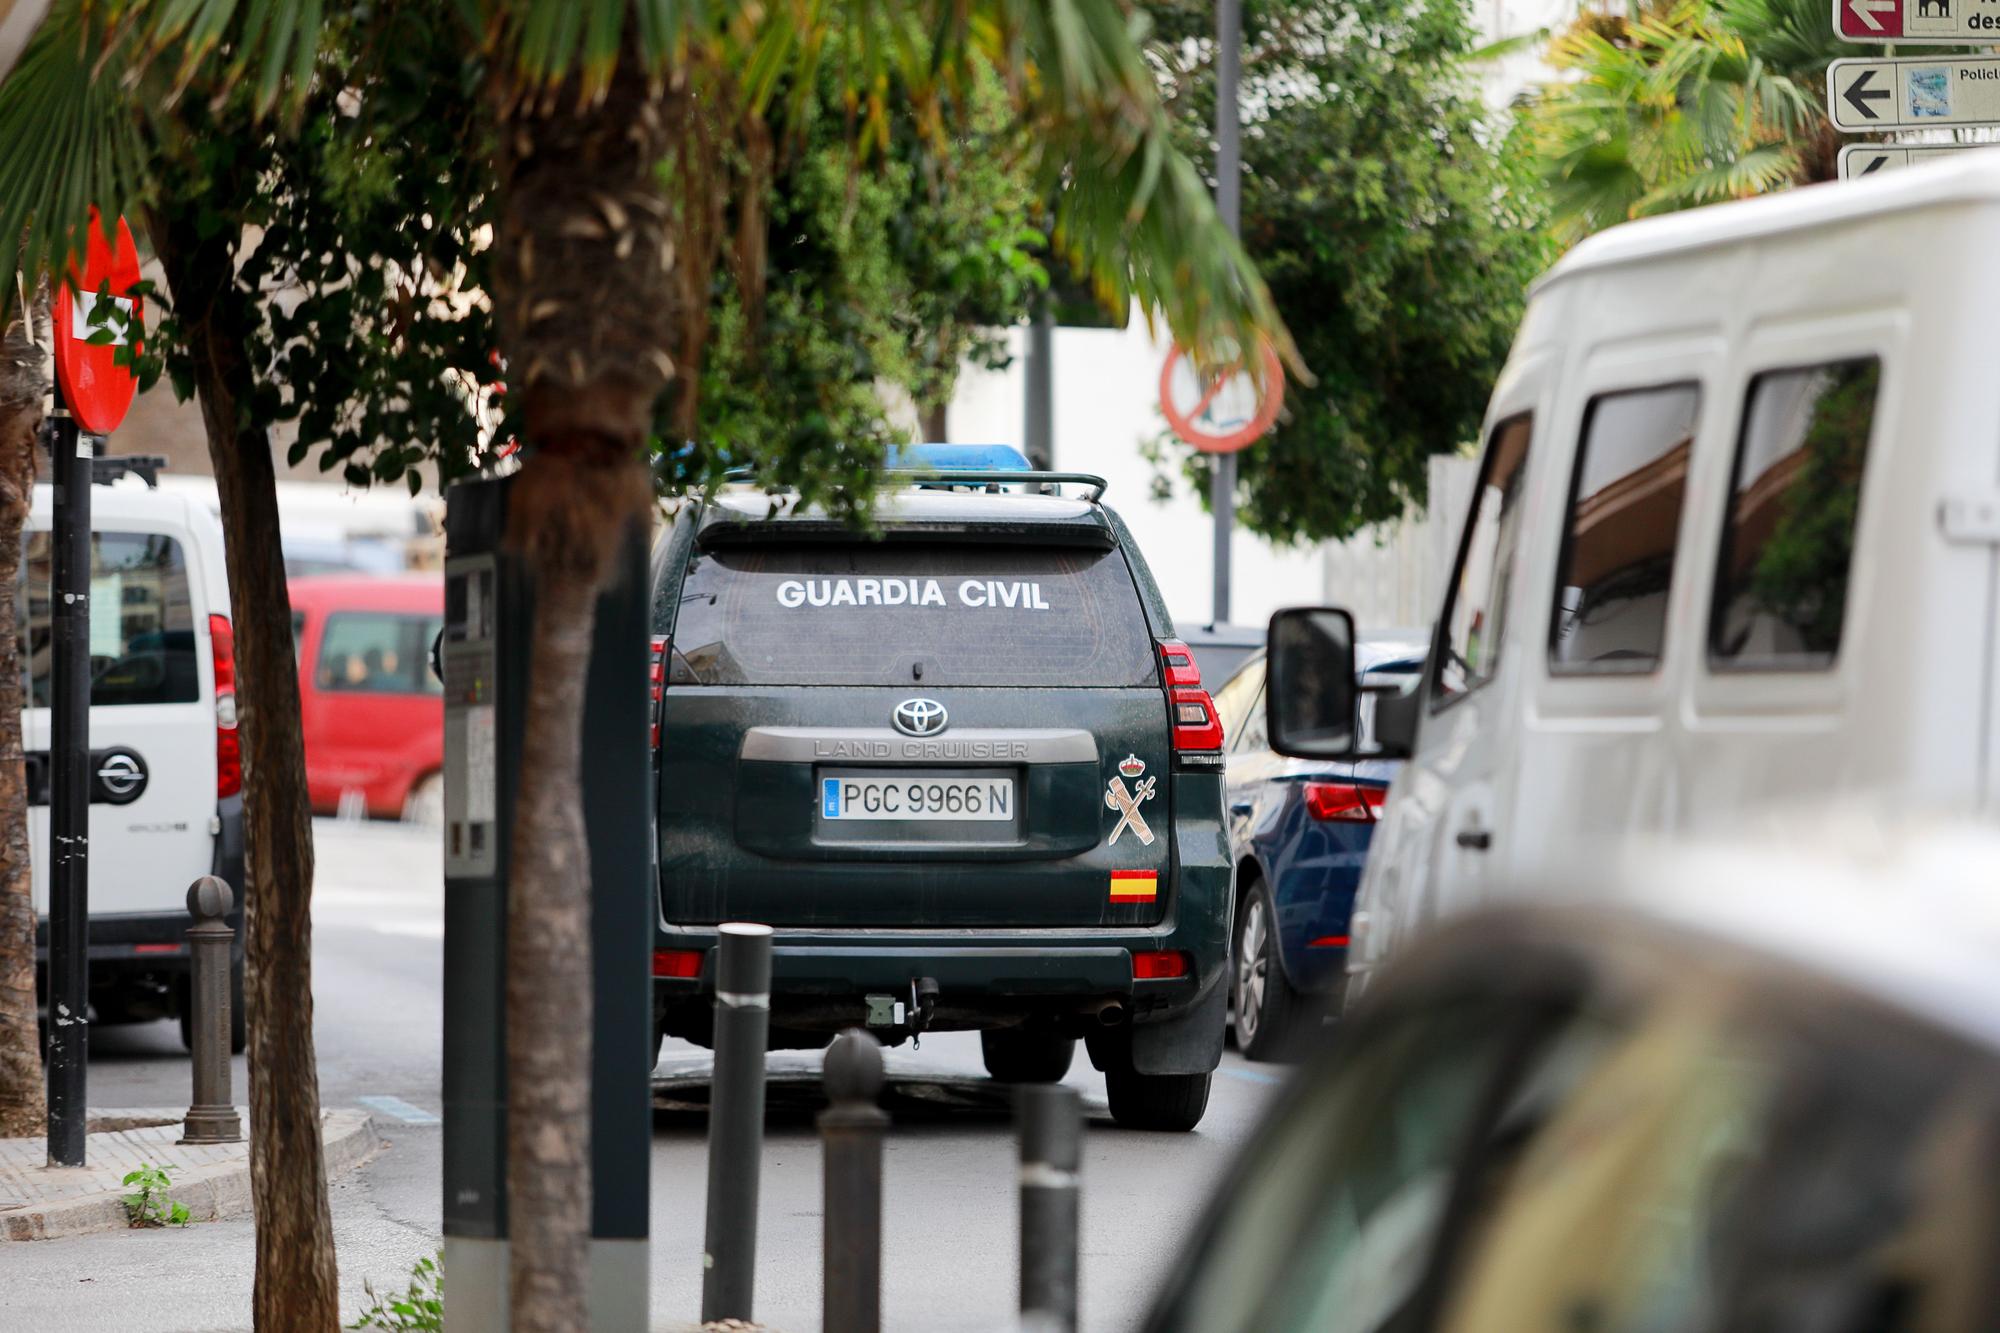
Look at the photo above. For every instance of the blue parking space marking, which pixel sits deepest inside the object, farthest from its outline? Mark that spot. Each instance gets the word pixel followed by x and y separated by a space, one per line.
pixel 1250 1076
pixel 398 1109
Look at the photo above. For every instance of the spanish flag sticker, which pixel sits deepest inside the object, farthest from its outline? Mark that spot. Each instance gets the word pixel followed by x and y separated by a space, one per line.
pixel 1135 886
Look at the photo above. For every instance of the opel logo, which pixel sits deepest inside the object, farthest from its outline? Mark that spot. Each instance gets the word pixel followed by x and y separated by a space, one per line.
pixel 919 717
pixel 121 776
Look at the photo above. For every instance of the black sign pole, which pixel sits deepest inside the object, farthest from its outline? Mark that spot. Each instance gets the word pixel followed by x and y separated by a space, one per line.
pixel 69 794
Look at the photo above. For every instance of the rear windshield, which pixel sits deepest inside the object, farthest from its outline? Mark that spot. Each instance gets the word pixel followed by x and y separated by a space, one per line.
pixel 142 641
pixel 905 613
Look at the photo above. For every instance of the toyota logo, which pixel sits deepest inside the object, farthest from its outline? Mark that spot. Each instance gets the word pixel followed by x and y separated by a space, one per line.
pixel 121 776
pixel 919 717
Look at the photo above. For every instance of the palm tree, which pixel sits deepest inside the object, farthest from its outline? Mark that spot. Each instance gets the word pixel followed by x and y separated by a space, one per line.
pixel 23 381
pixel 1666 110
pixel 599 288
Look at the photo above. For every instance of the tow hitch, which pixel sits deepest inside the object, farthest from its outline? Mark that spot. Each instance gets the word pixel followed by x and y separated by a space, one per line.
pixel 900 1020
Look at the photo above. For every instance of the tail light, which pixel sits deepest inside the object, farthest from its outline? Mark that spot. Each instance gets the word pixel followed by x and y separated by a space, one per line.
pixel 228 744
pixel 656 677
pixel 1159 965
pixel 681 963
pixel 1345 802
pixel 1197 728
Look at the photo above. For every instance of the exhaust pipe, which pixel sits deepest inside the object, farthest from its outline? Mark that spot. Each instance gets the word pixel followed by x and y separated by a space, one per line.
pixel 1112 1014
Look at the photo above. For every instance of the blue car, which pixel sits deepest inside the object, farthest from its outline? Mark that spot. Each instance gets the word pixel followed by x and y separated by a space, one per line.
pixel 1299 830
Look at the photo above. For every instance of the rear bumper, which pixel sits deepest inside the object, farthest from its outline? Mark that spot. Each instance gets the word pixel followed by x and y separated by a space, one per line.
pixel 139 954
pixel 822 983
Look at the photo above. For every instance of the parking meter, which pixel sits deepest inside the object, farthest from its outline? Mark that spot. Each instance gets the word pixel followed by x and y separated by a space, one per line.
pixel 483 658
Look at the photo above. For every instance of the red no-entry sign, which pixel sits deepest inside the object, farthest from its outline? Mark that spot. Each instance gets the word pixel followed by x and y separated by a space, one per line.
pixel 95 388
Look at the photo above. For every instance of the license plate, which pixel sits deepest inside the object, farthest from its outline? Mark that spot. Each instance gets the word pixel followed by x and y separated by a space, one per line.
pixel 893 797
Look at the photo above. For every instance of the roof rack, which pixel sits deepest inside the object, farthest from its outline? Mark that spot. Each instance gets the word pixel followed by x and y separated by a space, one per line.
pixel 989 478
pixel 993 479
pixel 147 467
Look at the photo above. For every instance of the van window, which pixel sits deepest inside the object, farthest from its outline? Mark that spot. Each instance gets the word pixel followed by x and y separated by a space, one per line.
pixel 1619 535
pixel 1781 581
pixel 907 613
pixel 1476 609
pixel 142 640
pixel 377 653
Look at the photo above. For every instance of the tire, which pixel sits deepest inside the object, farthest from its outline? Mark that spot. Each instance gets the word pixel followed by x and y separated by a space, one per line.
pixel 1171 1102
pixel 425 803
pixel 1266 1007
pixel 1026 1054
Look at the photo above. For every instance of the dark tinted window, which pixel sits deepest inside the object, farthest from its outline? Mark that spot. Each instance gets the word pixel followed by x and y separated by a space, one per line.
pixel 1781 585
pixel 373 652
pixel 896 613
pixel 142 639
pixel 1624 518
pixel 1475 615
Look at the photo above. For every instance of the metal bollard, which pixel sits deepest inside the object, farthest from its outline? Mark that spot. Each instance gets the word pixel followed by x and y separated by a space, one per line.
pixel 851 1142
pixel 1051 1127
pixel 212 1117
pixel 736 1120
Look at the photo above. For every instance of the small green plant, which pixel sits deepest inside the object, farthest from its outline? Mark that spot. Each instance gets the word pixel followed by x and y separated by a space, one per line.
pixel 148 1203
pixel 418 1310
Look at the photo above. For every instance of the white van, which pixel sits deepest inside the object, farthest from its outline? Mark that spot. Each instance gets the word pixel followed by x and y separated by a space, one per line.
pixel 166 769
pixel 1734 550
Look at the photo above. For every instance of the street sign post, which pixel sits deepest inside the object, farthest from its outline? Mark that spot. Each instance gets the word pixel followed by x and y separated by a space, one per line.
pixel 92 393
pixel 1919 92
pixel 1872 159
pixel 1915 22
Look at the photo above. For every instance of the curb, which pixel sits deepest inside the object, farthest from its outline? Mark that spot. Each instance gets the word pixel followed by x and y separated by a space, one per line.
pixel 210 1193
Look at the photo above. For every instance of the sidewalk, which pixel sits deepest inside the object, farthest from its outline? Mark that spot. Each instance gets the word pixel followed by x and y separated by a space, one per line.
pixel 39 1202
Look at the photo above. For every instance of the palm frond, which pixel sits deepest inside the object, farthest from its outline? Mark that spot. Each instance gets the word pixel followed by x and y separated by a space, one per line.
pixel 68 143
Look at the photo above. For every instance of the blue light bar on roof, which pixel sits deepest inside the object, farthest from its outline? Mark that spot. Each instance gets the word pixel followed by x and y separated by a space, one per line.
pixel 958 458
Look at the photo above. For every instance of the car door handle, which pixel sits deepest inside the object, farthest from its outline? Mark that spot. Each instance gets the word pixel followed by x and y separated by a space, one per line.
pixel 1475 839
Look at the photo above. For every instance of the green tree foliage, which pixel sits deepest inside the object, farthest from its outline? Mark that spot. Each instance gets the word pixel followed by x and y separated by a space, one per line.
pixel 892 273
pixel 1397 232
pixel 1688 102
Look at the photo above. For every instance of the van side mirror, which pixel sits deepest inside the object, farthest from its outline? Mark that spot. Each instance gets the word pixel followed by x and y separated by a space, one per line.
pixel 1309 692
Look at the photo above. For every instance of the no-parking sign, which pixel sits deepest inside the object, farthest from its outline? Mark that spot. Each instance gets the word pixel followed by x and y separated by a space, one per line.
pixel 97 390
pixel 1221 412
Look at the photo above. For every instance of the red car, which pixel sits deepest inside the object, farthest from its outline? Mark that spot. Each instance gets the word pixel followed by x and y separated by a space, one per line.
pixel 373 711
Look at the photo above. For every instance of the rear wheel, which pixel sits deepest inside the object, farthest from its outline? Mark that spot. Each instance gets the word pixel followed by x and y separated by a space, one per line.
pixel 1026 1055
pixel 1172 1102
pixel 1267 1008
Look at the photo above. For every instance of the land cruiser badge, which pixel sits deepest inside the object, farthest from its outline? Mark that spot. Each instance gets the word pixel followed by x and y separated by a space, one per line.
pixel 1127 803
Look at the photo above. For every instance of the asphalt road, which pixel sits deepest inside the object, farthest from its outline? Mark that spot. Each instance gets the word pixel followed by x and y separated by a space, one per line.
pixel 949 1215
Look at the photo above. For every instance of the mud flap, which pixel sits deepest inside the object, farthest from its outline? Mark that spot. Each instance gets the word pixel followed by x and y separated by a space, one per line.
pixel 1188 1043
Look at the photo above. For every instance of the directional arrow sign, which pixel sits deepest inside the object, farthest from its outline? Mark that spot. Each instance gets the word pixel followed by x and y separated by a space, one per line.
pixel 1940 22
pixel 1858 159
pixel 1916 93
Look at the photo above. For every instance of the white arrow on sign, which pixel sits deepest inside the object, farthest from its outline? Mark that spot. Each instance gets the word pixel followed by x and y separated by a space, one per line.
pixel 1866 10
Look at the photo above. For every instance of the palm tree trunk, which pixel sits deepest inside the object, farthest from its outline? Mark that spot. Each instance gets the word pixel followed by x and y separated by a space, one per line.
pixel 296 1286
pixel 23 1103
pixel 586 301
pixel 549 974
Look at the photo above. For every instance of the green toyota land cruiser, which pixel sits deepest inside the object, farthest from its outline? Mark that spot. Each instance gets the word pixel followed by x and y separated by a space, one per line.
pixel 964 770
